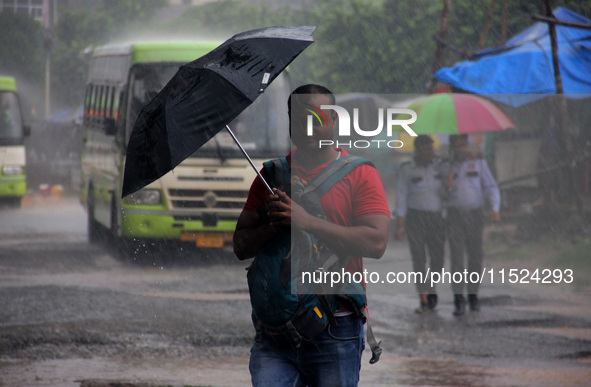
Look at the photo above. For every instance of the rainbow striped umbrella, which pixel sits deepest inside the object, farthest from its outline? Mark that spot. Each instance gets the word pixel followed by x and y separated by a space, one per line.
pixel 454 113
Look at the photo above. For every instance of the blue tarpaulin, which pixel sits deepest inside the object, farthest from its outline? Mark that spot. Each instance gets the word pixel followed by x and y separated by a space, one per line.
pixel 523 65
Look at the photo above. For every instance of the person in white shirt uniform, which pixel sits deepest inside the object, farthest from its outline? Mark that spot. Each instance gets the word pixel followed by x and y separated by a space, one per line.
pixel 418 213
pixel 468 184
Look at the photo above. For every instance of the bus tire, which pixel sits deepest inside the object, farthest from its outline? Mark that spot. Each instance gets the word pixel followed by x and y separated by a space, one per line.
pixel 12 202
pixel 94 228
pixel 115 214
pixel 125 248
pixel 117 243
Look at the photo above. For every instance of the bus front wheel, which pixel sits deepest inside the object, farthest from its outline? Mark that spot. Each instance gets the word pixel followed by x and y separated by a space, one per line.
pixel 94 228
pixel 126 248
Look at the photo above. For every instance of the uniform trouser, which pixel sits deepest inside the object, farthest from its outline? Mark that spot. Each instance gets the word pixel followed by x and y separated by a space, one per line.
pixel 425 231
pixel 465 229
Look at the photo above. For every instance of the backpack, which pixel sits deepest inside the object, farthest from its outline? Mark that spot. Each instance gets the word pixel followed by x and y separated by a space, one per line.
pixel 281 303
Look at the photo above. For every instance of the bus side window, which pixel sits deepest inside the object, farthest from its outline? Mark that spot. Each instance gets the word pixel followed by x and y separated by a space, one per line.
pixel 137 100
pixel 149 96
pixel 97 105
pixel 117 98
pixel 110 94
pixel 90 99
pixel 93 104
pixel 87 103
pixel 123 112
pixel 101 105
pixel 104 102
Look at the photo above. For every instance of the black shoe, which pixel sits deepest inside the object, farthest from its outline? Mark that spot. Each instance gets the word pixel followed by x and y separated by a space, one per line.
pixel 473 301
pixel 423 308
pixel 460 304
pixel 432 301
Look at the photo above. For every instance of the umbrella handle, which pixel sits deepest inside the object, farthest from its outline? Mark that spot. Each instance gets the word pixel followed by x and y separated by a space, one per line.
pixel 249 160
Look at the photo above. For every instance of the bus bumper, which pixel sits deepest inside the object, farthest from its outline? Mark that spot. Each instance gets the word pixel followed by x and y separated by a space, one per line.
pixel 151 226
pixel 10 188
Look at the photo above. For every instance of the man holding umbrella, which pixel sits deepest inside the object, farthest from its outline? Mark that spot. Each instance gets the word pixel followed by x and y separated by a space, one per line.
pixel 356 224
pixel 202 98
pixel 468 182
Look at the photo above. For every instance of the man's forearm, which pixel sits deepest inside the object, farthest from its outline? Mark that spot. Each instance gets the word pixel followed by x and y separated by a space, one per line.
pixel 248 241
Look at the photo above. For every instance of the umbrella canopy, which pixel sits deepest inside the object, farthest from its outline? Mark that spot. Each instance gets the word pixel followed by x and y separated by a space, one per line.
pixel 523 65
pixel 204 96
pixel 454 113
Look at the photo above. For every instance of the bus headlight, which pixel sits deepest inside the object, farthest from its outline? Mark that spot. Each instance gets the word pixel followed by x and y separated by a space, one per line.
pixel 12 170
pixel 144 196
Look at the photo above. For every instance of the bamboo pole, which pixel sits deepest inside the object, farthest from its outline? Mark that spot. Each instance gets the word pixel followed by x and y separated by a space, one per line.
pixel 504 21
pixel 553 20
pixel 486 27
pixel 440 48
pixel 562 111
pixel 558 79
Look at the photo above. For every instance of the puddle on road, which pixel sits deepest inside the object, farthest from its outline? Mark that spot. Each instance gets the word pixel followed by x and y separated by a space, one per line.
pixel 574 305
pixel 233 372
pixel 402 371
pixel 542 377
pixel 433 372
pixel 567 332
pixel 204 372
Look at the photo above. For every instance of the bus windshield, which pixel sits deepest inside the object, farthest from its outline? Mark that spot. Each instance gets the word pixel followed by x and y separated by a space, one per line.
pixel 11 128
pixel 262 128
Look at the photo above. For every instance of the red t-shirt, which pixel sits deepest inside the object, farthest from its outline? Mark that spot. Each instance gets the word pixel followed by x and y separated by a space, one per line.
pixel 358 194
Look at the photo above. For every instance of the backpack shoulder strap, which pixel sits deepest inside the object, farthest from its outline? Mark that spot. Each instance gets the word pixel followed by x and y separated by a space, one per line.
pixel 334 173
pixel 279 173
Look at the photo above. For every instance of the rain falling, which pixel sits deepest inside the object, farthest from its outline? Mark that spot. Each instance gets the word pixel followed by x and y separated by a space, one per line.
pixel 121 187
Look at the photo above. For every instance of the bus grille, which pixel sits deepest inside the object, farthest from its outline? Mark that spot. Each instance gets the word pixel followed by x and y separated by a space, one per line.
pixel 209 200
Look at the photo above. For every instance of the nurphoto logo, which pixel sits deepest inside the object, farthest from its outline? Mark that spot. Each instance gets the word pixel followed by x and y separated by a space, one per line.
pixel 393 117
pixel 316 113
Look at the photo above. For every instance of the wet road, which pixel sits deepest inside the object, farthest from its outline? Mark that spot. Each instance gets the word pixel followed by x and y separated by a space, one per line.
pixel 70 311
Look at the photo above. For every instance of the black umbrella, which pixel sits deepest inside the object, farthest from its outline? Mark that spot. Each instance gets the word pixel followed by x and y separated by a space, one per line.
pixel 204 96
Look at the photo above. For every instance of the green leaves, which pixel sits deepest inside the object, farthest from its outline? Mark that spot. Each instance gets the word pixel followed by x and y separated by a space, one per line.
pixel 379 46
pixel 21 47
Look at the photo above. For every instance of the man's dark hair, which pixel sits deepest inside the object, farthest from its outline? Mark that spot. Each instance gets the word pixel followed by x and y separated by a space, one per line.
pixel 310 88
pixel 454 138
pixel 422 140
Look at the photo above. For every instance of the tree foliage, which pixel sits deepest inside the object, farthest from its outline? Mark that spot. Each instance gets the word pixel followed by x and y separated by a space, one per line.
pixel 78 30
pixel 382 46
pixel 222 19
pixel 21 47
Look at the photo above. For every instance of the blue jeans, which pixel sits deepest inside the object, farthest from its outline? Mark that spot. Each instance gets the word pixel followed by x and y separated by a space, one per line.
pixel 333 358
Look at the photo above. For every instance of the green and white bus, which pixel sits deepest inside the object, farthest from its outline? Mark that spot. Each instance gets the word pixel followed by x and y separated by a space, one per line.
pixel 200 200
pixel 13 172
